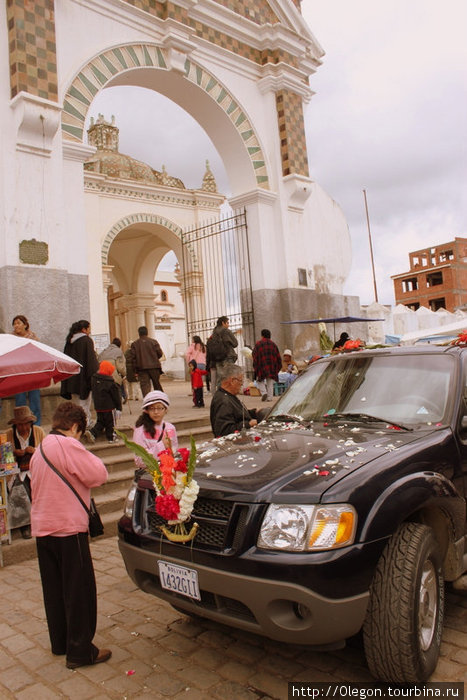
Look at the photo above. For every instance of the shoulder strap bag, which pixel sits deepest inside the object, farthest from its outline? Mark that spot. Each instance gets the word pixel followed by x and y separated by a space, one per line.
pixel 96 527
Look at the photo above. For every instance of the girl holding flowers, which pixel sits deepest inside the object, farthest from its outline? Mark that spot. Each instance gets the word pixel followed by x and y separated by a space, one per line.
pixel 155 446
pixel 152 431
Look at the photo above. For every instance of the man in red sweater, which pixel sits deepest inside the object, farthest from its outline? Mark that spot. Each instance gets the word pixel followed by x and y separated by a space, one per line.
pixel 267 362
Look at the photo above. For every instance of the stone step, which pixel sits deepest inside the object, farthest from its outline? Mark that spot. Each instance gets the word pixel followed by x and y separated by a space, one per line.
pixel 110 497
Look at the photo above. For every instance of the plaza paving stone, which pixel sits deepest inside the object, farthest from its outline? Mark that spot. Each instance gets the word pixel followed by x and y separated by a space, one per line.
pixel 169 654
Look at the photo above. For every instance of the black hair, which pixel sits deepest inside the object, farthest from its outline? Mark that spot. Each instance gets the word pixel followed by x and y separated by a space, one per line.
pixel 147 422
pixel 76 327
pixel 197 341
pixel 23 319
pixel 193 363
pixel 117 342
pixel 265 333
pixel 222 319
pixel 142 330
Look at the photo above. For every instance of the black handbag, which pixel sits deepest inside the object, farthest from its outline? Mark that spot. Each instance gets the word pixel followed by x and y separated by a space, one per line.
pixel 96 527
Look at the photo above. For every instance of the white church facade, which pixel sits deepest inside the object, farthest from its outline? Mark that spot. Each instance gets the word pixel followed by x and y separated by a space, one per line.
pixel 79 243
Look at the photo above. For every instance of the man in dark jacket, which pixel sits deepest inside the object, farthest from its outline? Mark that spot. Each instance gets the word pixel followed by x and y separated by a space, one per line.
pixel 145 354
pixel 227 412
pixel 80 347
pixel 267 362
pixel 223 335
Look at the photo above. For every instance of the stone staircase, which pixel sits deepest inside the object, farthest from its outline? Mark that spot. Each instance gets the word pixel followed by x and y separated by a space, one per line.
pixel 110 497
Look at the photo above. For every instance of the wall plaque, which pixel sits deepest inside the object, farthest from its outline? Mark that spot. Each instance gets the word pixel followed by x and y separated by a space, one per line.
pixel 34 252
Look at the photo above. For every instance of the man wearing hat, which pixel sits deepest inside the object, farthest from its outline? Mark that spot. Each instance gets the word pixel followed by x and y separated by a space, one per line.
pixel 289 369
pixel 24 437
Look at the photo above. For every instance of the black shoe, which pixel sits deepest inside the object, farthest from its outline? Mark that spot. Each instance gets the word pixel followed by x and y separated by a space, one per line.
pixel 26 532
pixel 103 655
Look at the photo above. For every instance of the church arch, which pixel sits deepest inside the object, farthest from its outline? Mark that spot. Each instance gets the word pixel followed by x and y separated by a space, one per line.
pixel 143 218
pixel 113 67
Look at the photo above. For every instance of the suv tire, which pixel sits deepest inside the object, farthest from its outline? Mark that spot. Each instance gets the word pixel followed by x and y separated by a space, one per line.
pixel 404 620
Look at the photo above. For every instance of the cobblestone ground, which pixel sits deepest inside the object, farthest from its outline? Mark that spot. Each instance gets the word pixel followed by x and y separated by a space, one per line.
pixel 160 653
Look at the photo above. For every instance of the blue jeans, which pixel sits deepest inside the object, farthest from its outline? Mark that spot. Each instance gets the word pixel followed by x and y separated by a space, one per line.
pixel 34 398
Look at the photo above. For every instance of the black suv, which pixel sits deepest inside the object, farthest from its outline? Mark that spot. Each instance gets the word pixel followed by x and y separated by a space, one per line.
pixel 343 510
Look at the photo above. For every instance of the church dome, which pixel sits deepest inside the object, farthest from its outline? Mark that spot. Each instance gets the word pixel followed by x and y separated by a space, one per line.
pixel 109 161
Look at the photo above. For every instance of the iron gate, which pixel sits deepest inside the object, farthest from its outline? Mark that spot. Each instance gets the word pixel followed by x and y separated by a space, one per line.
pixel 215 279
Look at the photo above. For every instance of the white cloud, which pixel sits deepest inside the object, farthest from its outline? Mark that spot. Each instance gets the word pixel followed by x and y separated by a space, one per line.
pixel 389 116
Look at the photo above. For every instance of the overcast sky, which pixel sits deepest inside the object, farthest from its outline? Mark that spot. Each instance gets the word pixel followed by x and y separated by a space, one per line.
pixel 389 116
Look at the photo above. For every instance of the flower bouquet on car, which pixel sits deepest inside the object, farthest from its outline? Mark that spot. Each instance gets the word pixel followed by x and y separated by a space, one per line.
pixel 176 490
pixel 351 345
pixel 461 339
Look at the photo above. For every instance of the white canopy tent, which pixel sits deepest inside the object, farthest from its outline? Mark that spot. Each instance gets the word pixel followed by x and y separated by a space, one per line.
pixel 434 334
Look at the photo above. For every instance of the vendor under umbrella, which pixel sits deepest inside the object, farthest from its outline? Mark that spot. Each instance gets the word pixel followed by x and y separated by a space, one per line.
pixel 24 437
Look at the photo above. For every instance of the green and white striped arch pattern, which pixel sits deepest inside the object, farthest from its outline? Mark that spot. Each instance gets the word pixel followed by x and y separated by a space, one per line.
pixel 138 219
pixel 98 72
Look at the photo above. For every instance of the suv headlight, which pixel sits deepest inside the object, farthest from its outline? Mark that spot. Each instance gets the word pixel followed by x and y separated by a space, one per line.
pixel 303 528
pixel 130 501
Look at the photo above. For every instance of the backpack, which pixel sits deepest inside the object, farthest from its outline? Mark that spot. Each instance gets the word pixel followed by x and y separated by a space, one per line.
pixel 216 347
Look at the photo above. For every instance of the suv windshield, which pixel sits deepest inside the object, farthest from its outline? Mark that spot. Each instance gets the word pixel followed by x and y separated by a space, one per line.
pixel 409 390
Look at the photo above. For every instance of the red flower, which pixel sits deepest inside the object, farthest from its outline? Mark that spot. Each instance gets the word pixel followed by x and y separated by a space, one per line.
pixel 324 472
pixel 167 465
pixel 167 506
pixel 353 344
pixel 257 438
pixel 461 339
pixel 184 454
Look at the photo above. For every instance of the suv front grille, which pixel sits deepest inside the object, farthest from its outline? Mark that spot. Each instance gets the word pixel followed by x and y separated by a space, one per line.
pixel 221 523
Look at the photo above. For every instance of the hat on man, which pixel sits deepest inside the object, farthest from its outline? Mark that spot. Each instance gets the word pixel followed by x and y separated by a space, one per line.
pixel 22 414
pixel 156 397
pixel 287 352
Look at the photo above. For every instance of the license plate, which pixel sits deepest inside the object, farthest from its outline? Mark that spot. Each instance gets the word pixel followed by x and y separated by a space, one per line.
pixel 177 579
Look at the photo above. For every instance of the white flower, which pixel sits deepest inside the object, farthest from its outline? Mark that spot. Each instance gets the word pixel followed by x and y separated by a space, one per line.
pixel 177 489
pixel 189 496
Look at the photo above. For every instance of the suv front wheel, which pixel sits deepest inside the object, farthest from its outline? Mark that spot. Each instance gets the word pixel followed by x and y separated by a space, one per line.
pixel 404 621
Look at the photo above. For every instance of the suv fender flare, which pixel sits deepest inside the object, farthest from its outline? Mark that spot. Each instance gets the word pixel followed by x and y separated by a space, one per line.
pixel 426 497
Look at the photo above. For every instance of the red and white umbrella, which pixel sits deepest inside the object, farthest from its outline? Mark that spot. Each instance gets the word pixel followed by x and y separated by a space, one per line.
pixel 26 364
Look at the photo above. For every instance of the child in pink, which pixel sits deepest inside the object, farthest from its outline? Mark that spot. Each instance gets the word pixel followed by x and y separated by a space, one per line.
pixel 152 431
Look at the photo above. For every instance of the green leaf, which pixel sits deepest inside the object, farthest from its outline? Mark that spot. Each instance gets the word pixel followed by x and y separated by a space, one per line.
pixel 192 460
pixel 150 462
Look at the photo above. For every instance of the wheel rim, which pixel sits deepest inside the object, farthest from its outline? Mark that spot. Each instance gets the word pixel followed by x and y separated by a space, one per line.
pixel 428 605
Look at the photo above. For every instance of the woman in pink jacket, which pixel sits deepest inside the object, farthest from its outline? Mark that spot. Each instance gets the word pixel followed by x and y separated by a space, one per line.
pixel 197 352
pixel 60 524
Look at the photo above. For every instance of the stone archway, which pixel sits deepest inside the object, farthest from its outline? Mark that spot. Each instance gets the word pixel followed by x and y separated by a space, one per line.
pixel 131 252
pixel 240 68
pixel 114 66
pixel 142 218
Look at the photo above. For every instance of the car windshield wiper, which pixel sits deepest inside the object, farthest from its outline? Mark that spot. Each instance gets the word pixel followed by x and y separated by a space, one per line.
pixel 288 417
pixel 365 417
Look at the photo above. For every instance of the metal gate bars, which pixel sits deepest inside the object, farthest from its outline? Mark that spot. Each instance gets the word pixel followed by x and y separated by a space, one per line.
pixel 215 277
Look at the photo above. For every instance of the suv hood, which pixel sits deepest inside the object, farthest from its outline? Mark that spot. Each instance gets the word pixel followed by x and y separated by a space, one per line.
pixel 275 458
